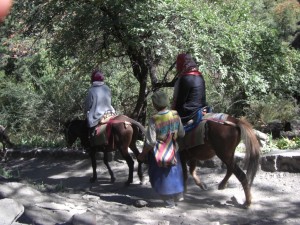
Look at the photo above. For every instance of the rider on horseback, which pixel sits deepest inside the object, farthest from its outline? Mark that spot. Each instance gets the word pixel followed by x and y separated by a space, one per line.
pixel 98 101
pixel 189 93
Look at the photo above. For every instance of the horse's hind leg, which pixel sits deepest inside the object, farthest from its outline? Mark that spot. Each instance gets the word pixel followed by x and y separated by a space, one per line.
pixel 130 164
pixel 193 172
pixel 111 173
pixel 241 176
pixel 140 164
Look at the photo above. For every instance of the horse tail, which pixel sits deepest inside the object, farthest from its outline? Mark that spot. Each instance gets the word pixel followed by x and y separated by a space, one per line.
pixel 252 149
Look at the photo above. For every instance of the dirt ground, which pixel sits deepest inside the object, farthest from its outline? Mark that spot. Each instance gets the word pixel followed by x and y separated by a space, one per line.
pixel 42 183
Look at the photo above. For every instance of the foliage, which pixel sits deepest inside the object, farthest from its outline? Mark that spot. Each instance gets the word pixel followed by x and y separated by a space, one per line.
pixel 9 173
pixel 285 143
pixel 271 108
pixel 50 47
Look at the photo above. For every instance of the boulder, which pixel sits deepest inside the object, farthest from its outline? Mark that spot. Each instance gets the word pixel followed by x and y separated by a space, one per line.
pixel 86 218
pixel 10 211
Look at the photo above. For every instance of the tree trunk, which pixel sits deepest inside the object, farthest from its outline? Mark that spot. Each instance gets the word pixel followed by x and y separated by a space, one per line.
pixel 140 72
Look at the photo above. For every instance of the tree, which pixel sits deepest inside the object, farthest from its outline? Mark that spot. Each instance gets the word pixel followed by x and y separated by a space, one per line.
pixel 238 45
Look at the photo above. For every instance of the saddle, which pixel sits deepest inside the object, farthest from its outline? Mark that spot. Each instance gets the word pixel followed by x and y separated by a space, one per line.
pixel 196 136
pixel 102 134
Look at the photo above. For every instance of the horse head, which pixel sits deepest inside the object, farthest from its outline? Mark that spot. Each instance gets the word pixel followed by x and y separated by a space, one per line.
pixel 74 129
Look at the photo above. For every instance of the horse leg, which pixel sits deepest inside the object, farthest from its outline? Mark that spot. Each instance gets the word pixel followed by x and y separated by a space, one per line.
pixel 230 168
pixel 140 164
pixel 130 164
pixel 141 173
pixel 193 164
pixel 241 176
pixel 94 165
pixel 105 160
pixel 223 183
pixel 184 169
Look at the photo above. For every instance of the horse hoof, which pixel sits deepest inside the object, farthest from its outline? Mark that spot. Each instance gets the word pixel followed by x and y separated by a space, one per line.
pixel 246 205
pixel 203 186
pixel 222 186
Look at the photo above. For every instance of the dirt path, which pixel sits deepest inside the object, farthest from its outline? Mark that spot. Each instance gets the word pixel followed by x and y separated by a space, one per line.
pixel 57 183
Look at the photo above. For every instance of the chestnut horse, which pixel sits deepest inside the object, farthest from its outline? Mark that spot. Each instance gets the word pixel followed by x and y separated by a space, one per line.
pixel 221 139
pixel 125 132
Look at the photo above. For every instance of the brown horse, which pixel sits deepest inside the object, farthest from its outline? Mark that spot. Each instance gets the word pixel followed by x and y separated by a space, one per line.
pixel 125 132
pixel 221 139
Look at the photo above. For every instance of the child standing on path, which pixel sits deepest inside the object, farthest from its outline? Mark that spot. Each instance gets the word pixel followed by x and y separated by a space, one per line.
pixel 166 180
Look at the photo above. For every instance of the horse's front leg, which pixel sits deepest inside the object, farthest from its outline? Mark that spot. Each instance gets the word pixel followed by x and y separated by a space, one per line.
pixel 94 164
pixel 105 160
pixel 223 183
pixel 193 172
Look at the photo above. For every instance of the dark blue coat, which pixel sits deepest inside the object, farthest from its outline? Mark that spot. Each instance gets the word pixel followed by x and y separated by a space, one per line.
pixel 190 96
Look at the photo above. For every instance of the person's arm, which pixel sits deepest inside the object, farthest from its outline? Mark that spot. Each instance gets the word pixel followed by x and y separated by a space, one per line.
pixel 150 140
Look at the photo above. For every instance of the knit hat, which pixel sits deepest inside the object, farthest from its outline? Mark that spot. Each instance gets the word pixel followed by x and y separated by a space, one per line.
pixel 97 75
pixel 160 99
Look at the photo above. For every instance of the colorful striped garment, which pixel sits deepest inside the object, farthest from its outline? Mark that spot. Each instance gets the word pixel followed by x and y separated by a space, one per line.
pixel 166 122
pixel 166 181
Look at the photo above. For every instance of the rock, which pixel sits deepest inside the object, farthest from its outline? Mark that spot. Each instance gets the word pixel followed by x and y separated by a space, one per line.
pixel 10 211
pixel 284 161
pixel 140 203
pixel 86 218
pixel 288 163
pixel 273 128
pixel 268 163
pixel 262 138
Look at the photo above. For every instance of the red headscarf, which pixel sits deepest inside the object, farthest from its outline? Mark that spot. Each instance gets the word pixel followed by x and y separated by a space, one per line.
pixel 186 65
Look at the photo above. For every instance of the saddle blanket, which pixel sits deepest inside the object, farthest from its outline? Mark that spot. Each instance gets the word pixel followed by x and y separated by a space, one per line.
pixel 99 136
pixel 102 131
pixel 196 136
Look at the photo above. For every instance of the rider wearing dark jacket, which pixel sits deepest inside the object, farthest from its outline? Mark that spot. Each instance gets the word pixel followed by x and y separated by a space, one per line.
pixel 189 92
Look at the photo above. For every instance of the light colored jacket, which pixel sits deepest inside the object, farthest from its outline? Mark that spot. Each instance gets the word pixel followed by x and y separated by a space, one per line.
pixel 97 103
